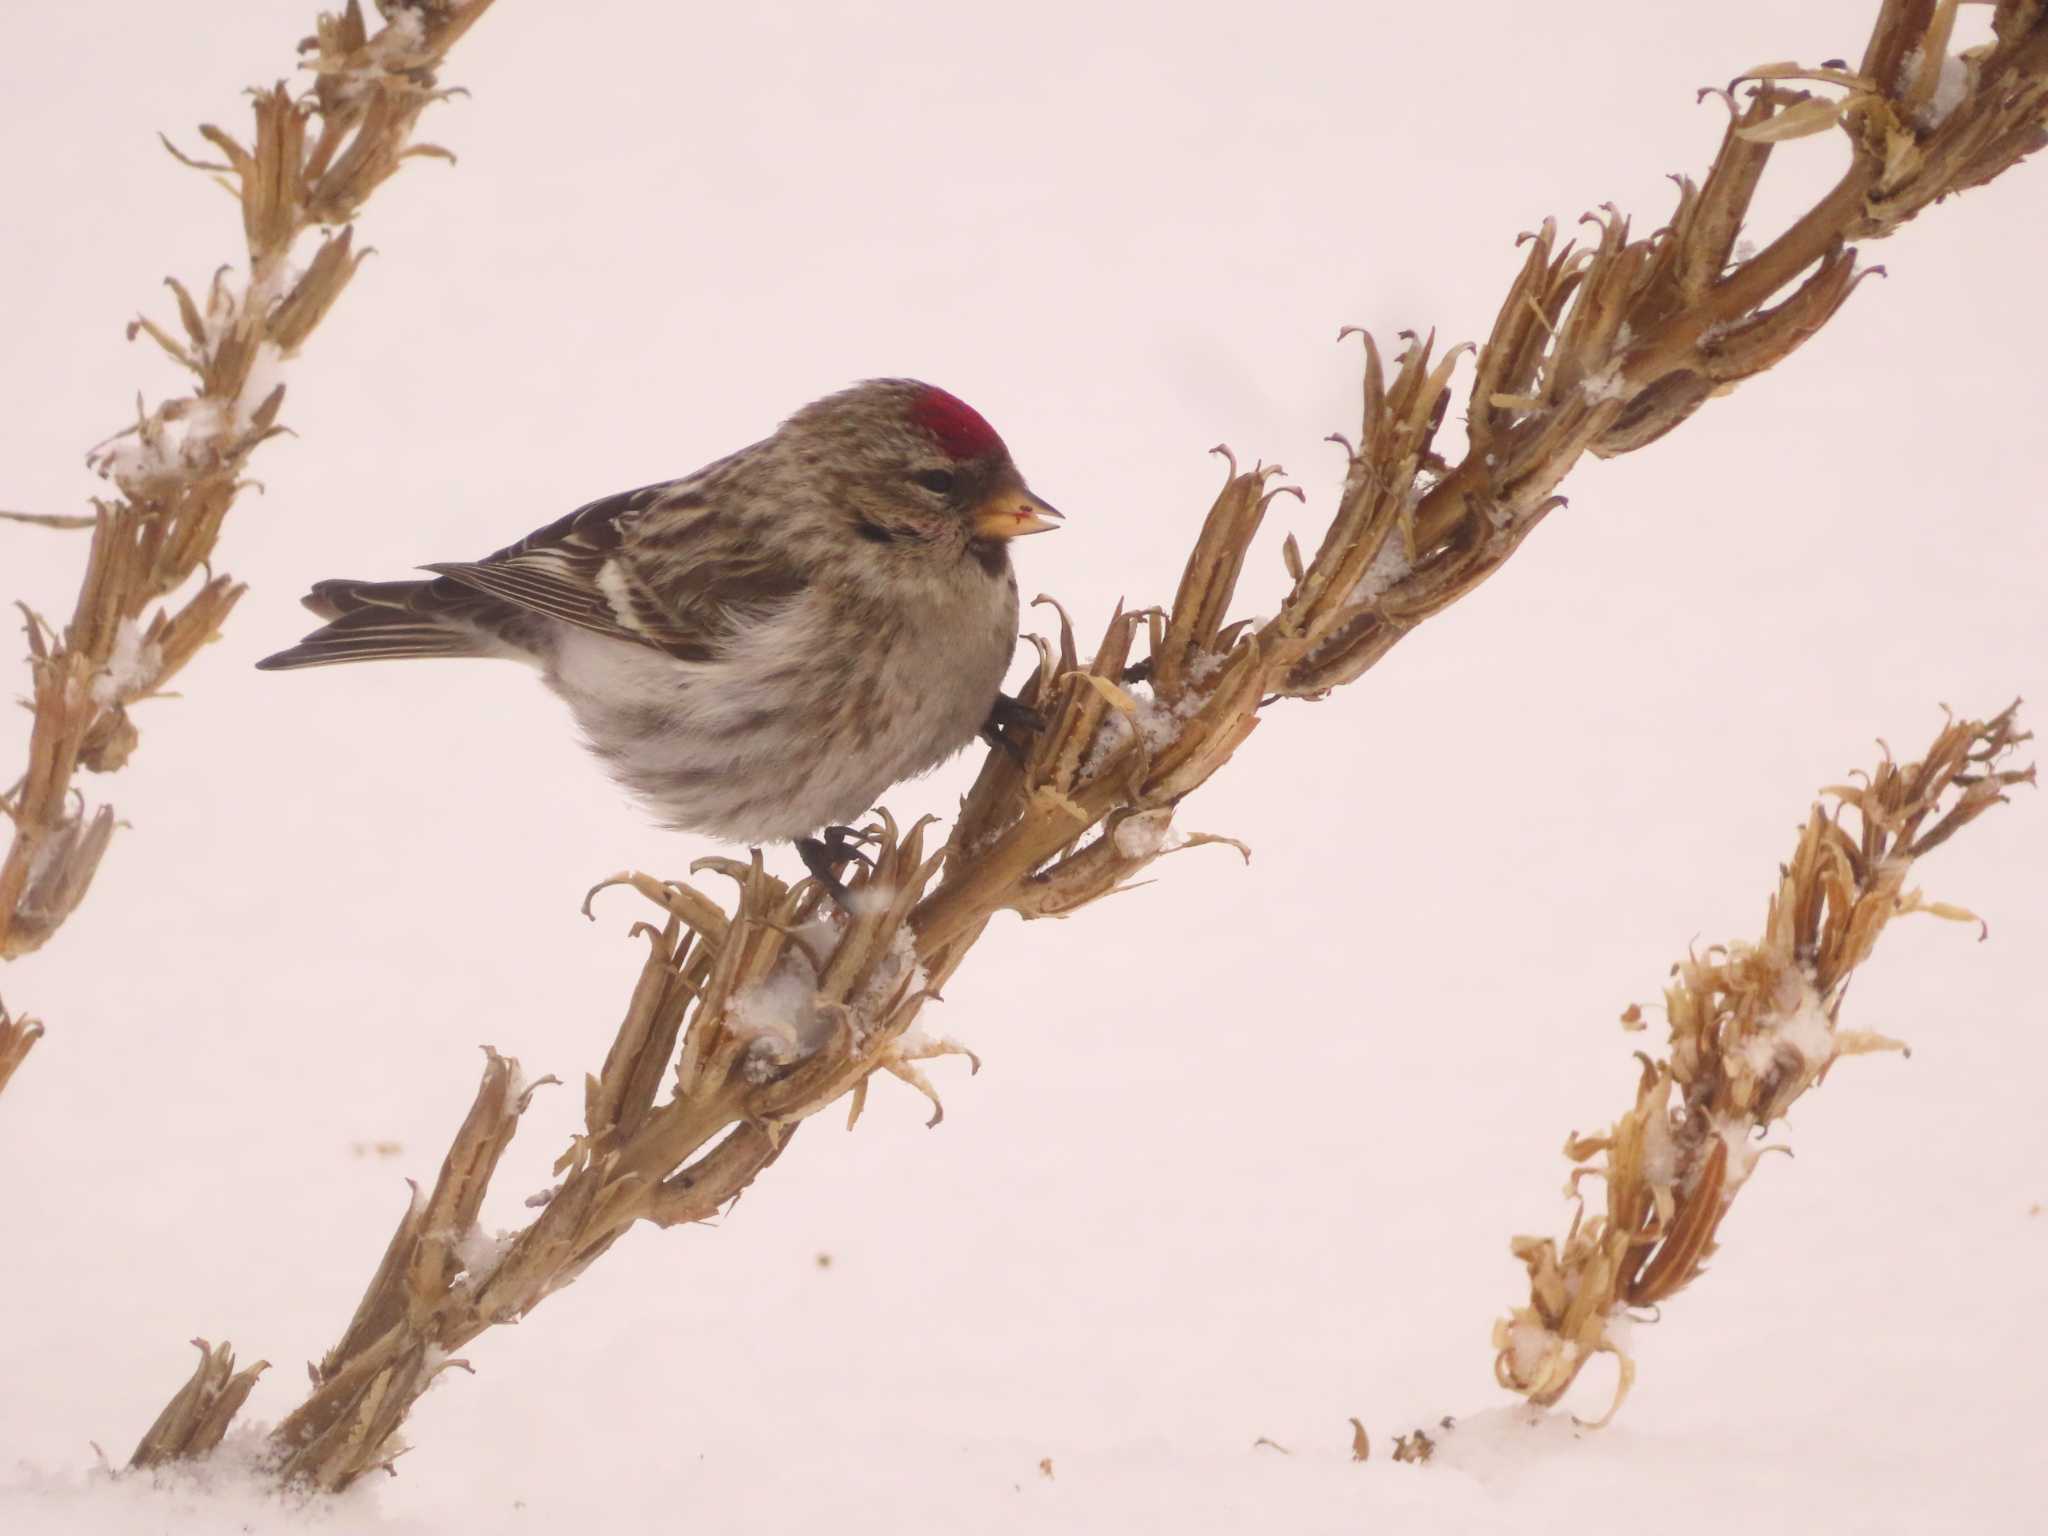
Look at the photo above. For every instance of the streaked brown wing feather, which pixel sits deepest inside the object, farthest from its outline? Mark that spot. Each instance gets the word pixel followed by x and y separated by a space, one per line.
pixel 679 593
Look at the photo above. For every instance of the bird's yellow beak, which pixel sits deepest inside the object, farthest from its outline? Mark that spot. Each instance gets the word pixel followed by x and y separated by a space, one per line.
pixel 1011 514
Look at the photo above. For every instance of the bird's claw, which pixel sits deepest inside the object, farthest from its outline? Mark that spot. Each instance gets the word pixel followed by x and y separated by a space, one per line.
pixel 826 855
pixel 1007 711
pixel 844 843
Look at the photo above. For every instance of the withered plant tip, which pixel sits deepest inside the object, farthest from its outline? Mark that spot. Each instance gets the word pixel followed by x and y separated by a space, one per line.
pixel 314 157
pixel 1753 1027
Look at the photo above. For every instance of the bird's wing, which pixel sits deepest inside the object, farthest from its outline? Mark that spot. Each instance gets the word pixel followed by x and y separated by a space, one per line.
pixel 658 566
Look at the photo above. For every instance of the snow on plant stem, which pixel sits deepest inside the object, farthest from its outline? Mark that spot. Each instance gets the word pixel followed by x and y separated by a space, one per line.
pixel 303 173
pixel 1753 1027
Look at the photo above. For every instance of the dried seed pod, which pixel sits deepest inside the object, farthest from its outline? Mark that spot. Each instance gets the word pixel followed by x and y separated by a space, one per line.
pixel 1752 1028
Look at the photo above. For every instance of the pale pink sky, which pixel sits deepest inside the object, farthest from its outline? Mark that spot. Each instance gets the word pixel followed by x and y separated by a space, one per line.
pixel 1250 1143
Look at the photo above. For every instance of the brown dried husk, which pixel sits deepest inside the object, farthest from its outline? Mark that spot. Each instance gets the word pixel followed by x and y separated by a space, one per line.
pixel 311 161
pixel 1753 1027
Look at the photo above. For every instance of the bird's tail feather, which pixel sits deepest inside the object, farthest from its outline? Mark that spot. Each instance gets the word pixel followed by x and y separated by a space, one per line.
pixel 379 621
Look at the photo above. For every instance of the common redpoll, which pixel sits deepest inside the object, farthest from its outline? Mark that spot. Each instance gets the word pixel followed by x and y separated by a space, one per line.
pixel 761 649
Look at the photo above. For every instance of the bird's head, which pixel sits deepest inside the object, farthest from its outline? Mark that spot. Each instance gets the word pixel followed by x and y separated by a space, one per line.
pixel 918 469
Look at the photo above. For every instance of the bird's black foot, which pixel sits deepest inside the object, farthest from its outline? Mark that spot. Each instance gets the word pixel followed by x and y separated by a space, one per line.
pixel 1007 711
pixel 827 855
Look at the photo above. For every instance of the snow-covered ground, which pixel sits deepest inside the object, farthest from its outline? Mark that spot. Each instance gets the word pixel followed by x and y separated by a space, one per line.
pixel 1249 1144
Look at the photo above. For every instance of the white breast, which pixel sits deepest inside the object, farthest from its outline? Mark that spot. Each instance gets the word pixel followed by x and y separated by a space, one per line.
pixel 805 721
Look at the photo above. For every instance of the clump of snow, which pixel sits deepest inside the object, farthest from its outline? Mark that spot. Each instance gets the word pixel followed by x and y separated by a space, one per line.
pixel 1805 1030
pixel 1158 724
pixel 1530 1347
pixel 131 667
pixel 144 457
pixel 898 972
pixel 480 1253
pixel 401 45
pixel 204 421
pixel 1390 564
pixel 196 432
pixel 229 1493
pixel 1607 384
pixel 1909 67
pixel 1738 1135
pixel 1791 1045
pixel 271 284
pixel 264 369
pixel 1949 90
pixel 408 31
pixel 1500 1448
pixel 816 938
pixel 1950 86
pixel 1745 249
pixel 1147 834
pixel 1660 1151
pixel 1110 738
pixel 778 1019
pixel 1154 722
pixel 914 1044
pixel 870 900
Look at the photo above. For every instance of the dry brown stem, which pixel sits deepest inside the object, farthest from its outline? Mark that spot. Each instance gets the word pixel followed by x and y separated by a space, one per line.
pixel 1752 1028
pixel 779 1009
pixel 767 1014
pixel 194 1421
pixel 314 157
pixel 17 1038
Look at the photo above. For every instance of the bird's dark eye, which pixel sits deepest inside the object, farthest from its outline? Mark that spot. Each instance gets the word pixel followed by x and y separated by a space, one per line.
pixel 939 480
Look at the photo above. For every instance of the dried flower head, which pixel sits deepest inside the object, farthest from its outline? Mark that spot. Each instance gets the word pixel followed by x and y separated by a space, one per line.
pixel 1753 1027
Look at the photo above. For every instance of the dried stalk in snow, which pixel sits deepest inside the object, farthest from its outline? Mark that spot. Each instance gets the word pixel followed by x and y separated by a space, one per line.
pixel 769 1013
pixel 1753 1027
pixel 194 1421
pixel 790 1005
pixel 313 160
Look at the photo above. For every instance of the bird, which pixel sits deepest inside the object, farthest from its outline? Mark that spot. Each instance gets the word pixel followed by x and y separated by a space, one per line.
pixel 761 649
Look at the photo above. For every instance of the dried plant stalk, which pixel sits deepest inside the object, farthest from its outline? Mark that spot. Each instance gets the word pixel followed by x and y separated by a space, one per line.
pixel 194 1421
pixel 767 1014
pixel 17 1038
pixel 312 161
pixel 1753 1027
pixel 779 1010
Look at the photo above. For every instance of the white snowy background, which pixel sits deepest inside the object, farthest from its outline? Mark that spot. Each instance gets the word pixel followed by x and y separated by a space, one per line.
pixel 1250 1143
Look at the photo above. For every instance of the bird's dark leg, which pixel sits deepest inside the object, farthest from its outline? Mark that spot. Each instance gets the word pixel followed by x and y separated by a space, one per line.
pixel 1010 712
pixel 826 856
